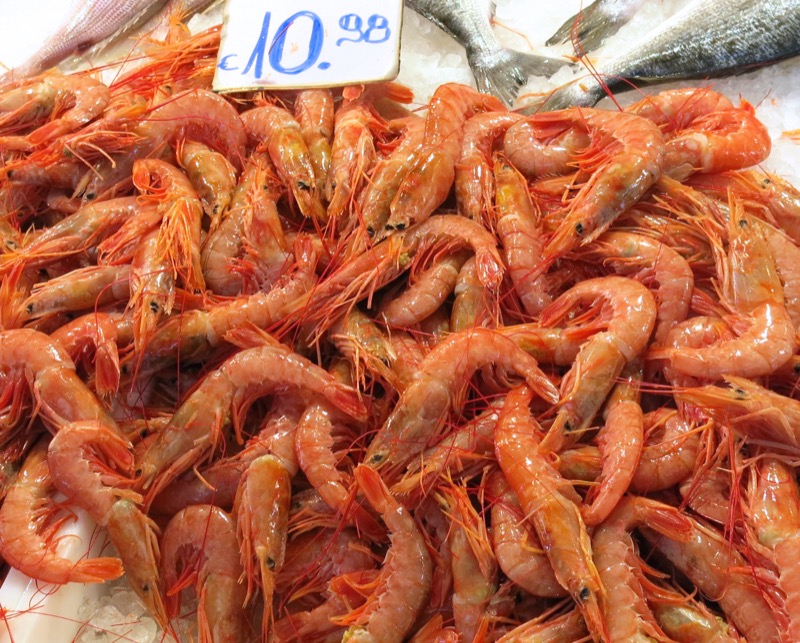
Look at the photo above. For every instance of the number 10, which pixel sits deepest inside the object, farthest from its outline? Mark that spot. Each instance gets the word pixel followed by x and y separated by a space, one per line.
pixel 275 54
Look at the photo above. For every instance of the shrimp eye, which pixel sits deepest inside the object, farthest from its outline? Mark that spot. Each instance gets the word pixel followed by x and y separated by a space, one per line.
pixel 585 594
pixel 10 174
pixel 568 426
pixel 154 306
pixel 10 243
pixel 270 563
pixel 370 232
pixel 797 368
pixel 89 196
pixel 742 223
pixel 400 226
pixel 304 186
pixel 579 228
pixel 739 392
pixel 376 458
pixel 138 472
pixel 29 308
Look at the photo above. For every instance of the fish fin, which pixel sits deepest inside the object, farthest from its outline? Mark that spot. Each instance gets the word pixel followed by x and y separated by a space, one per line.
pixel 589 28
pixel 505 72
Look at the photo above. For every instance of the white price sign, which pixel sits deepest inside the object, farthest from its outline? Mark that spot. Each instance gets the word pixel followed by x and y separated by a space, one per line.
pixel 278 44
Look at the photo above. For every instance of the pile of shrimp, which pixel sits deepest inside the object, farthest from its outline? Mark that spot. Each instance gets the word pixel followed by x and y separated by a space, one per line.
pixel 352 372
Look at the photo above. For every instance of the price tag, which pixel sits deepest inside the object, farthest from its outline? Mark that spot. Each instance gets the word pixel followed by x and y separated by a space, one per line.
pixel 278 44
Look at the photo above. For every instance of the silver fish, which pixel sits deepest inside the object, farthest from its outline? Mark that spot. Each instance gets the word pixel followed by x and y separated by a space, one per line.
pixel 707 38
pixel 589 28
pixel 89 22
pixel 497 70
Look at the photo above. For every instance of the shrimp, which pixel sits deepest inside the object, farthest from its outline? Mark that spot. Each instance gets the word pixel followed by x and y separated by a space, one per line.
pixel 708 134
pixel 720 572
pixel 90 464
pixel 364 345
pixel 549 503
pixel 535 156
pixel 473 175
pixel 516 545
pixel 212 176
pixel 30 358
pixel 77 290
pixel 755 291
pixel 262 522
pixel 620 175
pixel 472 305
pixel 620 441
pixel 567 628
pixel 424 296
pixel 199 544
pixel 313 109
pixel 101 332
pixel 520 235
pixel 374 202
pixel 774 515
pixel 27 104
pixel 26 538
pixel 152 288
pixel 314 444
pixel 74 235
pixel 439 388
pixel 625 609
pixel 428 181
pixel 669 454
pixel 602 358
pixel 689 621
pixel 473 563
pixel 179 235
pixel 282 136
pixel 198 425
pixel 404 582
pixel 646 258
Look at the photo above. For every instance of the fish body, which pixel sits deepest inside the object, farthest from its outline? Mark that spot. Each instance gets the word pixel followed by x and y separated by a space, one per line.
pixel 589 28
pixel 497 70
pixel 88 22
pixel 707 38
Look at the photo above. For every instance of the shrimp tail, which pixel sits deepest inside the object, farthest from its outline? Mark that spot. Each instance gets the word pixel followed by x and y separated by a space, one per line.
pixel 490 269
pixel 96 570
pixel 107 369
pixel 347 400
pixel 373 487
pixel 509 70
pixel 176 243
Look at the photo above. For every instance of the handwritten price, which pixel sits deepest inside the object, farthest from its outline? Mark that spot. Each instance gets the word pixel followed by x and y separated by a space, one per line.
pixel 376 31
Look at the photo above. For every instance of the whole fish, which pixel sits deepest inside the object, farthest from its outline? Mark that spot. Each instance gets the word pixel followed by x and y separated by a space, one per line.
pixel 589 28
pixel 497 70
pixel 88 22
pixel 707 38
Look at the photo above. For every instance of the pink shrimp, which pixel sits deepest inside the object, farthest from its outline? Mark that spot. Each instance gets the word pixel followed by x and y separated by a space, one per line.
pixel 198 425
pixel 439 388
pixel 567 628
pixel 620 175
pixel 473 174
pixel 262 522
pixel 212 176
pixel 602 358
pixel 26 539
pixel 281 133
pixel 313 109
pixel 428 181
pixel 199 544
pixel 669 454
pixel 473 302
pixel 536 156
pixel 404 581
pixel 152 288
pixel 549 503
pixel 91 464
pixel 521 236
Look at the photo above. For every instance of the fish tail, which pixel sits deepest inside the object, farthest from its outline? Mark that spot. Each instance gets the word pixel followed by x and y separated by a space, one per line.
pixel 504 72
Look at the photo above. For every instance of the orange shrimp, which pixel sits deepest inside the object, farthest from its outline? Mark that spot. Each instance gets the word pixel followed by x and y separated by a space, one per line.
pixel 313 109
pixel 473 179
pixel 686 620
pixel 602 358
pixel 262 521
pixel 521 236
pixel 754 290
pixel 549 503
pixel 473 302
pixel 366 347
pixel 26 538
pixel 199 547
pixel 404 582
pixel 75 100
pixel 537 156
pixel 567 628
pixel 199 424
pixel 620 176
pixel 182 214
pixel 720 572
pixel 426 295
pixel 516 545
pixel 212 176
pixel 625 609
pixel 620 441
pixel 427 183
pixel 705 132
pixel 152 288
pixel 439 388
pixel 91 465
pixel 646 258
pixel 281 134
pixel 669 454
